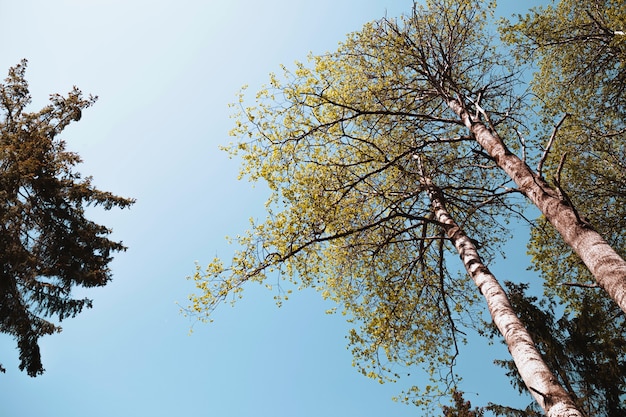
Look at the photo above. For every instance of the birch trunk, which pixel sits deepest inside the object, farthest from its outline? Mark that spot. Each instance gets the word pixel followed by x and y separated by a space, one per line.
pixel 539 380
pixel 606 265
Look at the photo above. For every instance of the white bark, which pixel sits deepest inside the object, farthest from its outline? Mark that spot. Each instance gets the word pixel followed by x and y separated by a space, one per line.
pixel 608 268
pixel 540 381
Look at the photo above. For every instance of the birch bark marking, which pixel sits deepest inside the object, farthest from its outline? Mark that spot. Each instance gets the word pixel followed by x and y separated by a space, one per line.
pixel 542 384
pixel 608 268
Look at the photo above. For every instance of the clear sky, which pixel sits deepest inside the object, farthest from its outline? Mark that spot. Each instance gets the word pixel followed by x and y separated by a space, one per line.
pixel 165 71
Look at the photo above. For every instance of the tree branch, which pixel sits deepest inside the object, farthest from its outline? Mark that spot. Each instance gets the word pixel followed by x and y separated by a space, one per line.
pixel 576 284
pixel 557 176
pixel 549 145
pixel 523 142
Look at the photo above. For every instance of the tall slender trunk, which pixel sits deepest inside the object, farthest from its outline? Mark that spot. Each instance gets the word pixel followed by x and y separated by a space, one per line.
pixel 541 382
pixel 606 265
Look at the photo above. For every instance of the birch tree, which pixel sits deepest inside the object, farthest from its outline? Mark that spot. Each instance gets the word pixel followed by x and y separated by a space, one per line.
pixel 537 377
pixel 579 48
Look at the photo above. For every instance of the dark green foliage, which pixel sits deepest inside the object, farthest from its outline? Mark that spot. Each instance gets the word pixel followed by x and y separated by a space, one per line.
pixel 47 245
pixel 586 350
pixel 530 411
pixel 461 408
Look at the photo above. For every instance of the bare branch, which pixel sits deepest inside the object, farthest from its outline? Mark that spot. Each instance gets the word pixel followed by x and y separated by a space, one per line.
pixel 557 176
pixel 549 145
pixel 606 31
pixel 523 142
pixel 576 284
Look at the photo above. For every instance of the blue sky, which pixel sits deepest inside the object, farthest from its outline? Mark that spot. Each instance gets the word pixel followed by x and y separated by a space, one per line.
pixel 165 72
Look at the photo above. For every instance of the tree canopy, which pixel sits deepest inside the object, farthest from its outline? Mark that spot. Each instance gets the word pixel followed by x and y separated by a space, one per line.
pixel 47 244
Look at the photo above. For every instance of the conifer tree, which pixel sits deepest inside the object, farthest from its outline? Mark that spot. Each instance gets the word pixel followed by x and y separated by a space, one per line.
pixel 461 408
pixel 47 245
pixel 585 350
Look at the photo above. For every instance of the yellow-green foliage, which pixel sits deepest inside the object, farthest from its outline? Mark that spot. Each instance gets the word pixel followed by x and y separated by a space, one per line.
pixel 335 139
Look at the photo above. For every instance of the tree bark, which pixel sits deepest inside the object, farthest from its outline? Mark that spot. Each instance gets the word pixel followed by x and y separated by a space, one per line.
pixel 606 265
pixel 539 380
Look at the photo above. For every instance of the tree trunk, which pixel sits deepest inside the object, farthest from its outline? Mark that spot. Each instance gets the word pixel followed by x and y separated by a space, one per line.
pixel 606 265
pixel 538 378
